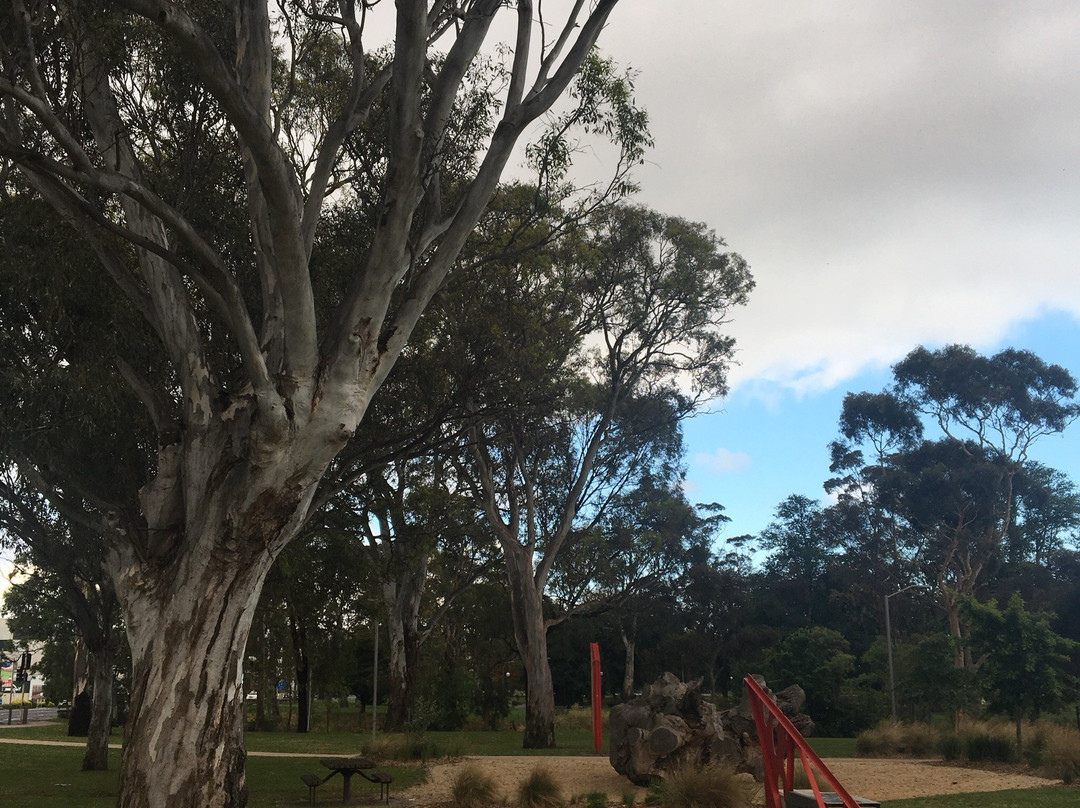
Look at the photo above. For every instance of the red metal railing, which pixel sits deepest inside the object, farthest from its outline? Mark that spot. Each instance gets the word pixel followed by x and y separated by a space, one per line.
pixel 779 741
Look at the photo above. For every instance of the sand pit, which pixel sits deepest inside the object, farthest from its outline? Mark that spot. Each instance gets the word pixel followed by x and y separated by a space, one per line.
pixel 878 779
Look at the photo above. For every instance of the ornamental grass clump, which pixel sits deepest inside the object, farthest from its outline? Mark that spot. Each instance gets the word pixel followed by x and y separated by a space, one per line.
pixel 1060 752
pixel 890 740
pixel 471 787
pixel 988 741
pixel 539 790
pixel 709 786
pixel 880 741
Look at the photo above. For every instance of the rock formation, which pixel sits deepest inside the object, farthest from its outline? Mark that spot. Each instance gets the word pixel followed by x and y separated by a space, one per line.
pixel 669 724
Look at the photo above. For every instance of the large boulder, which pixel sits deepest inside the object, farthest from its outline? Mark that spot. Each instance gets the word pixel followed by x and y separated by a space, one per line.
pixel 669 724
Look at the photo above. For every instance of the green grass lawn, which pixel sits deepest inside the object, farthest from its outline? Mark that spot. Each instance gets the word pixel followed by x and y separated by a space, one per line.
pixel 49 777
pixel 1053 797
pixel 833 747
pixel 571 741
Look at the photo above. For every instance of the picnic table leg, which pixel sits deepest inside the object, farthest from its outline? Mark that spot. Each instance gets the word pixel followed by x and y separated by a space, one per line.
pixel 346 776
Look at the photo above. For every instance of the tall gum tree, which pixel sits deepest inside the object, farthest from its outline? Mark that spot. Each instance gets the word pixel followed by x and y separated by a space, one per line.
pixel 957 492
pixel 263 388
pixel 654 293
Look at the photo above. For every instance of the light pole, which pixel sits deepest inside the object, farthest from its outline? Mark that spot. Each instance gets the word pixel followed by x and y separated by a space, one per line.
pixel 375 683
pixel 888 646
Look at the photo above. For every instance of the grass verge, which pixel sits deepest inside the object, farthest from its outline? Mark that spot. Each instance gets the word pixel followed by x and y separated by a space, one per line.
pixel 49 777
pixel 1054 797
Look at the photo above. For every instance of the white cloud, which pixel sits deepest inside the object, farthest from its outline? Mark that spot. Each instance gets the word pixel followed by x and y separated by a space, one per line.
pixel 723 461
pixel 894 175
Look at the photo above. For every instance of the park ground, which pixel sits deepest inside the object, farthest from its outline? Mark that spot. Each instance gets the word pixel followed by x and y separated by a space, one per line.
pixel 41 769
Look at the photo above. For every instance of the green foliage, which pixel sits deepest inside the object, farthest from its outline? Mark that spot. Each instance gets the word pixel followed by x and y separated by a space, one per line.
pixel 979 748
pixel 979 742
pixel 1025 666
pixel 450 694
pixel 604 107
pixel 818 660
pixel 950 746
pixel 539 790
pixel 927 680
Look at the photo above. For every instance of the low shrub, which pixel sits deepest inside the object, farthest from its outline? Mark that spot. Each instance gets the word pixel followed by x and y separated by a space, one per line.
pixel 407 749
pixel 993 748
pixel 917 739
pixel 471 787
pixel 988 741
pixel 539 790
pixel 694 786
pixel 950 747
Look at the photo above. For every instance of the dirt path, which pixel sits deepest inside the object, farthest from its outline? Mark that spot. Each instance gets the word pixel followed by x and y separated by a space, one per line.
pixel 877 779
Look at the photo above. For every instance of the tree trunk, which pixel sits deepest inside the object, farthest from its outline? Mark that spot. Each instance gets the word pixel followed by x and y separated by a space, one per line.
pixel 303 693
pixel 81 678
pixel 630 644
pixel 402 599
pixel 952 612
pixel 530 631
pixel 96 758
pixel 188 631
pixel 302 665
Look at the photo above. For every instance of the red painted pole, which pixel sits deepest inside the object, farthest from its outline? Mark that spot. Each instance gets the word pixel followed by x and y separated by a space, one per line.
pixel 597 705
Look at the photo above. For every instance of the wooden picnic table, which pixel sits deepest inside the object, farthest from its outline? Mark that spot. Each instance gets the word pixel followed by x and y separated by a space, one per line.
pixel 346 767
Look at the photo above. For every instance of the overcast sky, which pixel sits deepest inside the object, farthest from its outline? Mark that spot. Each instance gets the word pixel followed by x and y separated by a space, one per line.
pixel 895 173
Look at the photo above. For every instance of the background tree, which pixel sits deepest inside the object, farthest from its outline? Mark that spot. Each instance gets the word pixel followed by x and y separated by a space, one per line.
pixel 68 592
pixel 956 493
pixel 655 292
pixel 798 548
pixel 819 660
pixel 1024 664
pixel 715 600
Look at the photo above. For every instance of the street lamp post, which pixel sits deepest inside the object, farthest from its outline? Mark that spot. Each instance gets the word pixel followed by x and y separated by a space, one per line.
pixel 888 646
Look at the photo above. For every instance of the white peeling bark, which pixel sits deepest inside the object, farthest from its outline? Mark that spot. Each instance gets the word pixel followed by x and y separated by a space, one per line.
pixel 530 632
pixel 402 597
pixel 184 742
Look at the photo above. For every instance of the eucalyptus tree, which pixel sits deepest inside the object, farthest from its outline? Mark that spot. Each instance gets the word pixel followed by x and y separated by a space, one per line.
pixel 252 388
pixel 957 490
pixel 65 592
pixel 642 344
pixel 1048 505
pixel 421 539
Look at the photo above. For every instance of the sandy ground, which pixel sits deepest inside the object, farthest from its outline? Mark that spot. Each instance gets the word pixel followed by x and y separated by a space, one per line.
pixel 877 779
